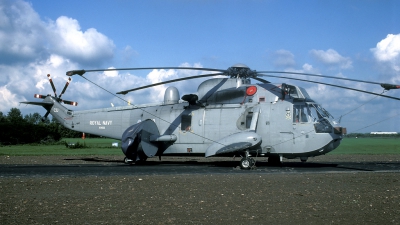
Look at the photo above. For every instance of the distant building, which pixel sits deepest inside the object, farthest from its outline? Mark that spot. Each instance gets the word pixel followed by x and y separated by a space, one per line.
pixel 380 132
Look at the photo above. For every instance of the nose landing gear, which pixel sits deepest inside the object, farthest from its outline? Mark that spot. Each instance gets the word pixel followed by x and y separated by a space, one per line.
pixel 247 162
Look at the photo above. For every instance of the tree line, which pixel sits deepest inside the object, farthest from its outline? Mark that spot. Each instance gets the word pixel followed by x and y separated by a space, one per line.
pixel 31 128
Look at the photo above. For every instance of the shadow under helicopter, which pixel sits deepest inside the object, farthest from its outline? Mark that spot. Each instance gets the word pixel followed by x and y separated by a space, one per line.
pixel 262 165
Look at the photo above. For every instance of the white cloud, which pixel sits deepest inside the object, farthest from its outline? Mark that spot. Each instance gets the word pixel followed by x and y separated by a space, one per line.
pixel 128 53
pixel 21 32
pixel 31 48
pixel 284 58
pixel 331 58
pixel 387 51
pixel 111 73
pixel 25 37
pixel 307 67
pixel 8 99
pixel 88 46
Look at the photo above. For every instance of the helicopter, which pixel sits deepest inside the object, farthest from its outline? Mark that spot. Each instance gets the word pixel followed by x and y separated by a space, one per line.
pixel 227 116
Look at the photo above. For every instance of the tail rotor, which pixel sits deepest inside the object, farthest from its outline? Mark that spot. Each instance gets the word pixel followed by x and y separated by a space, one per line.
pixel 65 87
pixel 57 98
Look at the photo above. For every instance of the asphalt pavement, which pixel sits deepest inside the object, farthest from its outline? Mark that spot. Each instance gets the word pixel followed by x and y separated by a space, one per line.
pixel 99 167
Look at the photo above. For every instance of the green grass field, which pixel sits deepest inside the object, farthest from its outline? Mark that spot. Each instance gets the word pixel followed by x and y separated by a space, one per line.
pixel 95 146
pixel 368 146
pixel 103 146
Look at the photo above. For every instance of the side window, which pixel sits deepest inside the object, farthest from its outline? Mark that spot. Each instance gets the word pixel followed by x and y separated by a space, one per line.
pixel 244 121
pixel 186 122
pixel 295 114
pixel 300 114
pixel 248 119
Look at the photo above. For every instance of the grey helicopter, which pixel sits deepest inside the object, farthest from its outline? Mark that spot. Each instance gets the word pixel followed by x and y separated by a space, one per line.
pixel 227 116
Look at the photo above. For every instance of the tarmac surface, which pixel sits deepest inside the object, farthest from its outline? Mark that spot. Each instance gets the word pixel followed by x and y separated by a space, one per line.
pixel 97 166
pixel 332 189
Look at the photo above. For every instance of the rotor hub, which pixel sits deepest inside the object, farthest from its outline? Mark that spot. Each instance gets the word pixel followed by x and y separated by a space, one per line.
pixel 240 70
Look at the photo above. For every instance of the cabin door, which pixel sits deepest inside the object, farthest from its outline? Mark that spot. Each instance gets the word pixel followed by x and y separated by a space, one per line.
pixel 281 128
pixel 191 130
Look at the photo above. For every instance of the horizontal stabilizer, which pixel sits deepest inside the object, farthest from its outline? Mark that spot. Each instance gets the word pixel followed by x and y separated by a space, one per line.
pixel 39 103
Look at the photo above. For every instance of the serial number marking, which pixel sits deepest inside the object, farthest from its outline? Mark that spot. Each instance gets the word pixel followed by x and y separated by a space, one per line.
pixel 100 123
pixel 102 128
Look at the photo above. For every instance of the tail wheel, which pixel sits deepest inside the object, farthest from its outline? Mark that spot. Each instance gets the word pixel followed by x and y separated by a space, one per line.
pixel 128 161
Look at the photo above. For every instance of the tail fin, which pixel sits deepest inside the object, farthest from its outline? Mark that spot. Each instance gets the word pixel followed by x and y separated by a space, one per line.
pixel 53 107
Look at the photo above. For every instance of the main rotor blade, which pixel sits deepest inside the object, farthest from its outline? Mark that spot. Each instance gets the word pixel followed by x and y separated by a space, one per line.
pixel 261 80
pixel 386 86
pixel 52 85
pixel 170 81
pixel 65 87
pixel 333 85
pixel 81 72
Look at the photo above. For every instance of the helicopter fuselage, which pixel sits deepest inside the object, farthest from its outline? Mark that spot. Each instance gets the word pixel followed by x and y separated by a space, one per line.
pixel 288 122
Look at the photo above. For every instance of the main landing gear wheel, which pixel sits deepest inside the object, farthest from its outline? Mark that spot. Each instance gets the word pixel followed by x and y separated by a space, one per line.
pixel 246 163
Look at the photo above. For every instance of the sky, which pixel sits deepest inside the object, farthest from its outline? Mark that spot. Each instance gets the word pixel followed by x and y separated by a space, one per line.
pixel 356 39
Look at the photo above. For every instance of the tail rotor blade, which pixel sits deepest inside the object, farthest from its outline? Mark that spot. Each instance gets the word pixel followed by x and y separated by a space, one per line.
pixel 70 103
pixel 65 87
pixel 39 96
pixel 52 85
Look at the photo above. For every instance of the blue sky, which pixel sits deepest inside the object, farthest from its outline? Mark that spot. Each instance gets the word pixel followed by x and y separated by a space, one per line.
pixel 354 39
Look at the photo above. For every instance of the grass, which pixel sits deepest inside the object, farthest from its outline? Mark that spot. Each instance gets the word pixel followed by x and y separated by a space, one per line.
pixel 102 146
pixel 370 146
pixel 94 146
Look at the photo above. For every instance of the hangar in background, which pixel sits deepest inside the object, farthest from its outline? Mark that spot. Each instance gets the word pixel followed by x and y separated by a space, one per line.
pixel 380 132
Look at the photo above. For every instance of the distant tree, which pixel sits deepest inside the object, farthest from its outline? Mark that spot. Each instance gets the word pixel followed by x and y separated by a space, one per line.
pixel 15 116
pixel 2 117
pixel 18 130
pixel 35 118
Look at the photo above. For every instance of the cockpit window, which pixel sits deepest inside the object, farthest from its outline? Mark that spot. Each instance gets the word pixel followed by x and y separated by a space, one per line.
pixel 317 112
pixel 293 91
pixel 315 115
pixel 310 112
